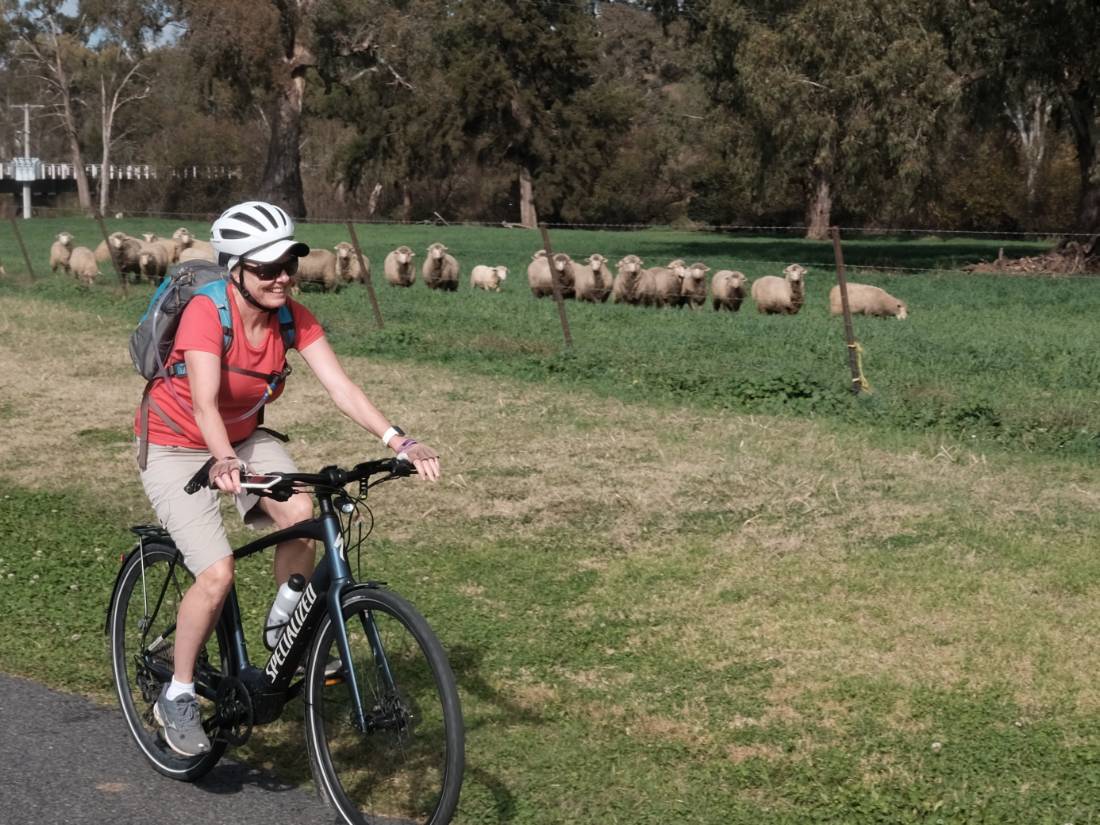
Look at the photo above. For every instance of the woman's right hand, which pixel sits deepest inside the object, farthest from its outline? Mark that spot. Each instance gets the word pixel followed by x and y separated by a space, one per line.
pixel 225 474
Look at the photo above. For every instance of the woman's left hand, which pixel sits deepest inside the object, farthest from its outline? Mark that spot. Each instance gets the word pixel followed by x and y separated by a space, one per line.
pixel 423 457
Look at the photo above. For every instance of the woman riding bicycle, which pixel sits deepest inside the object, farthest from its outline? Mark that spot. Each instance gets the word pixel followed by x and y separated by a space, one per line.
pixel 211 407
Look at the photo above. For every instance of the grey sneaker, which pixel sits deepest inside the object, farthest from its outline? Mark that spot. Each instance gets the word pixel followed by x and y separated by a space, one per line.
pixel 182 724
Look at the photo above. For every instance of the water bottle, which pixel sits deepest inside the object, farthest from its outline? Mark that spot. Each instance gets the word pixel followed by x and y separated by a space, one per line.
pixel 285 602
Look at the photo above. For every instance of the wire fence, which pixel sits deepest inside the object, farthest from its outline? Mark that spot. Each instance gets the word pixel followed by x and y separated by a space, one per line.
pixel 687 226
pixel 1031 248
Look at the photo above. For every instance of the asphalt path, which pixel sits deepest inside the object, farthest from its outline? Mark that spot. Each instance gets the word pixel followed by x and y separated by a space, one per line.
pixel 67 761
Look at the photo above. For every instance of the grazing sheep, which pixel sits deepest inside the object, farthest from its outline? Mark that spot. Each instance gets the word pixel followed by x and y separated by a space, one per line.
pixel 191 248
pixel 126 250
pixel 864 299
pixel 660 285
pixel 83 265
pixel 60 251
pixel 170 246
pixel 398 267
pixel 727 290
pixel 318 267
pixel 625 288
pixel 440 269
pixel 780 296
pixel 153 260
pixel 347 264
pixel 488 277
pixel 538 274
pixel 693 288
pixel 592 279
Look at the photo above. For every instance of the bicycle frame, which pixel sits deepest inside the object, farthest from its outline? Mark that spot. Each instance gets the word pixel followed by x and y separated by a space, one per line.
pixel 323 593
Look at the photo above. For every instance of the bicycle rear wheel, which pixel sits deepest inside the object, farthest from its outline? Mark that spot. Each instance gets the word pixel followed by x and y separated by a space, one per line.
pixel 407 766
pixel 142 625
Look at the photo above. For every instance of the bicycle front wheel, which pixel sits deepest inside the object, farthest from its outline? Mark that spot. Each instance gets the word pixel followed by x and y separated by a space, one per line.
pixel 404 765
pixel 142 626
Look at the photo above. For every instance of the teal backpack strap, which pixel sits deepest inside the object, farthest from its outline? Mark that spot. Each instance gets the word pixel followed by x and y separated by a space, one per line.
pixel 286 327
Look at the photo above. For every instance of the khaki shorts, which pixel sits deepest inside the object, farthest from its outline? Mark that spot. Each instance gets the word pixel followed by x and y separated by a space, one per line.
pixel 195 521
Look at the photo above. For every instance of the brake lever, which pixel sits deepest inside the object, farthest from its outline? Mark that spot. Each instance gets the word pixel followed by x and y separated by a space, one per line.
pixel 200 479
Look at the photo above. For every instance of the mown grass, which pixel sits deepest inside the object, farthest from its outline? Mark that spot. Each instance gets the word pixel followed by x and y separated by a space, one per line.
pixel 659 606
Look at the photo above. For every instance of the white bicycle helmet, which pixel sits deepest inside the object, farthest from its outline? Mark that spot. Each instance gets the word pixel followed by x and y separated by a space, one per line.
pixel 256 231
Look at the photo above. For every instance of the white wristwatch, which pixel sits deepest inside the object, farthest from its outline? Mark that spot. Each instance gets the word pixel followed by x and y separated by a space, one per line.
pixel 390 433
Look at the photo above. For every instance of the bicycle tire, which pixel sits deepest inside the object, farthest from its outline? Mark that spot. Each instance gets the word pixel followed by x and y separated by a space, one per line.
pixel 408 768
pixel 130 669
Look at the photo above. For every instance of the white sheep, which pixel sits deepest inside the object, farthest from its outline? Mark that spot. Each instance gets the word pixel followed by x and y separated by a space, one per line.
pixel 319 268
pixel 191 248
pixel 398 267
pixel 660 285
pixel 625 288
pixel 864 299
pixel 153 260
pixel 347 264
pixel 84 266
pixel 780 296
pixel 488 277
pixel 727 289
pixel 60 251
pixel 538 274
pixel 440 269
pixel 693 287
pixel 126 250
pixel 592 280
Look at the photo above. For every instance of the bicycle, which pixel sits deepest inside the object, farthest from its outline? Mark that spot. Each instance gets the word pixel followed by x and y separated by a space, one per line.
pixel 384 732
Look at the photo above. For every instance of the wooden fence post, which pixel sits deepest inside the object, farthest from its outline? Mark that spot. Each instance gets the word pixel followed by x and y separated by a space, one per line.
pixel 22 246
pixel 556 287
pixel 366 274
pixel 111 252
pixel 859 382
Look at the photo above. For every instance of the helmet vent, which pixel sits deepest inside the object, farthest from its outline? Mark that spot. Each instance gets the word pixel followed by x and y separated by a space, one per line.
pixel 271 218
pixel 251 221
pixel 233 234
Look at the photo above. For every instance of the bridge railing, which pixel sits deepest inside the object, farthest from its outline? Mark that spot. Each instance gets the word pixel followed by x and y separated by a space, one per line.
pixel 129 171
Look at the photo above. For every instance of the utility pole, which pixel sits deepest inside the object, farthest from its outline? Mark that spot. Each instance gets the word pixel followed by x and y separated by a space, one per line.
pixel 27 175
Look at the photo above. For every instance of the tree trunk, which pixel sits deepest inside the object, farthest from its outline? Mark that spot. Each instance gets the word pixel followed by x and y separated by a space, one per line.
pixel 406 202
pixel 820 210
pixel 282 180
pixel 372 201
pixel 1082 111
pixel 1031 119
pixel 83 193
pixel 528 216
pixel 107 119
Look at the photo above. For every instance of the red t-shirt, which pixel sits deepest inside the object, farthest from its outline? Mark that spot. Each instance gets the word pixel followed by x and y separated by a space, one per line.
pixel 200 329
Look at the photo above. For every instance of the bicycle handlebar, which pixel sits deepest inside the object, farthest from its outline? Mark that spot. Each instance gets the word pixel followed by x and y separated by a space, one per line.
pixel 332 476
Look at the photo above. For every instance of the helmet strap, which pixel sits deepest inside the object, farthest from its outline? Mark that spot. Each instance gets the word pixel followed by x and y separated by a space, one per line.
pixel 239 283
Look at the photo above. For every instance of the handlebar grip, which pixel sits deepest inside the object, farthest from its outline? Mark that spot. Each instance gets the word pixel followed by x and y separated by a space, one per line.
pixel 403 467
pixel 200 479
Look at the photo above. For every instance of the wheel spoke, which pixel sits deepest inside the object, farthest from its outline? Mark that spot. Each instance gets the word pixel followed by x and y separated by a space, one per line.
pixel 402 767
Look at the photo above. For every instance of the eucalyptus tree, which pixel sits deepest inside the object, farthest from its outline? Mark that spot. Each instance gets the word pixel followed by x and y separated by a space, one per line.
pixel 844 99
pixel 85 57
pixel 1046 60
pixel 517 67
pixel 382 66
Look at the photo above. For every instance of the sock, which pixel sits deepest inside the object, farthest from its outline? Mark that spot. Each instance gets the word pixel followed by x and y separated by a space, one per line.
pixel 177 689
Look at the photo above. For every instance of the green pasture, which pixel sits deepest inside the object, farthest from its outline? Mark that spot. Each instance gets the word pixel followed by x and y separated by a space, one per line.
pixel 682 575
pixel 983 357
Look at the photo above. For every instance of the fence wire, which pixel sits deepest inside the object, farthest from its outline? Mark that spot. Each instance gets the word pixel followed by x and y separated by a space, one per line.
pixel 788 231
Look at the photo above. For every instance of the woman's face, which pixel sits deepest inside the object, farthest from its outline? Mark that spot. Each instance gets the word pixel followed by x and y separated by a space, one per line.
pixel 269 283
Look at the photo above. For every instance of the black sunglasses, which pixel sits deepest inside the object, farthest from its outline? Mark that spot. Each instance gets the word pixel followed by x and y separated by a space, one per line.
pixel 271 271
